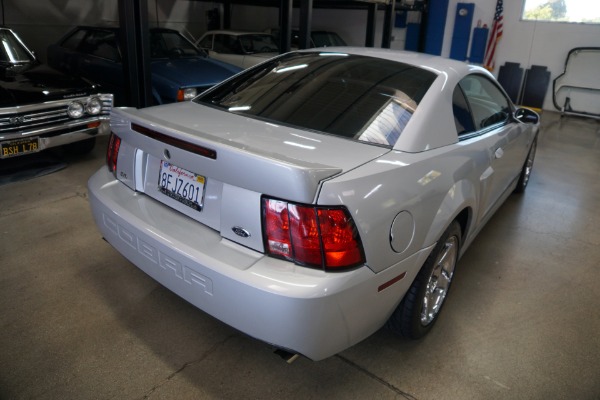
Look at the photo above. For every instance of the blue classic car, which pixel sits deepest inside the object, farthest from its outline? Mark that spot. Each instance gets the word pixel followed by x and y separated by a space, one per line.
pixel 179 69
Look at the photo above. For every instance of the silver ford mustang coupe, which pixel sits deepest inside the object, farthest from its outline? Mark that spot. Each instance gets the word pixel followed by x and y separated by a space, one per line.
pixel 318 196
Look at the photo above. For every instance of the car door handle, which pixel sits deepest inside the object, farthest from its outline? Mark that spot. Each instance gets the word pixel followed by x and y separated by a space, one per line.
pixel 499 152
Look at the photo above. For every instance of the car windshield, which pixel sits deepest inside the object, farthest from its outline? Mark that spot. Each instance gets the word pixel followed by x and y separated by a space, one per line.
pixel 169 44
pixel 351 96
pixel 13 51
pixel 256 43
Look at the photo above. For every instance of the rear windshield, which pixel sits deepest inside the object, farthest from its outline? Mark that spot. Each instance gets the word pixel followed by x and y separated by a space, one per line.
pixel 356 97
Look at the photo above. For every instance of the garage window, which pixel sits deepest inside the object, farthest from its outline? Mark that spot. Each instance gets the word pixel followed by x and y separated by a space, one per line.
pixel 575 11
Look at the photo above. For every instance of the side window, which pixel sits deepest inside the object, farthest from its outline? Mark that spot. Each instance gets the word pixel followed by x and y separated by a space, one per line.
pixel 206 43
pixel 73 41
pixel 220 45
pixel 158 49
pixel 247 43
pixel 106 47
pixel 88 44
pixel 227 44
pixel 488 104
pixel 462 115
pixel 101 43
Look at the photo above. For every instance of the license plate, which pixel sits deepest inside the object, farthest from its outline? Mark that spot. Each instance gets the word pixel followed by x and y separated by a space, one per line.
pixel 182 185
pixel 18 147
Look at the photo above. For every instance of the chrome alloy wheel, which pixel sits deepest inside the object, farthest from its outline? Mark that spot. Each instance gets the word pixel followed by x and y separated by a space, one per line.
pixel 439 281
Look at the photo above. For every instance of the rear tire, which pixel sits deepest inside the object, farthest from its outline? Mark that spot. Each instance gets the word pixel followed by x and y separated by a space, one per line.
pixel 417 312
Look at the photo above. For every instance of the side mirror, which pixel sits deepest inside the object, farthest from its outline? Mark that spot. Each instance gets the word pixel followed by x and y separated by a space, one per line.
pixel 526 116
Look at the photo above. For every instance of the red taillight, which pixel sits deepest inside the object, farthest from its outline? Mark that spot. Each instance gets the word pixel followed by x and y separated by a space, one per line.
pixel 304 230
pixel 315 236
pixel 112 152
pixel 340 240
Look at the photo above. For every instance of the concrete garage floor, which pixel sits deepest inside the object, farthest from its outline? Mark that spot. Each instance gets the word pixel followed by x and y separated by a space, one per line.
pixel 77 321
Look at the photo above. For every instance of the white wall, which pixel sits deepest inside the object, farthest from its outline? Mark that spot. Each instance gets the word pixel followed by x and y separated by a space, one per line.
pixel 528 43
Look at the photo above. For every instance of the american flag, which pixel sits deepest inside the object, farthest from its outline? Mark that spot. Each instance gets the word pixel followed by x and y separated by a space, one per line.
pixel 490 51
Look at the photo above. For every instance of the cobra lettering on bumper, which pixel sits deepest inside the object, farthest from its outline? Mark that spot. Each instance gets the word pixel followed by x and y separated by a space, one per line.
pixel 167 264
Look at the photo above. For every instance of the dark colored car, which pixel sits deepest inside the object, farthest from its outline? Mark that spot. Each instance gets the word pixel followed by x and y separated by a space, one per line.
pixel 179 70
pixel 42 108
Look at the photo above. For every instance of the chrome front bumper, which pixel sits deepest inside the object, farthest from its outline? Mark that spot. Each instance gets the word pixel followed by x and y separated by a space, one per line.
pixel 50 123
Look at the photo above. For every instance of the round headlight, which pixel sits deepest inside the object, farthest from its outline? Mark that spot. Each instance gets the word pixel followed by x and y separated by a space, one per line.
pixel 189 93
pixel 75 110
pixel 93 106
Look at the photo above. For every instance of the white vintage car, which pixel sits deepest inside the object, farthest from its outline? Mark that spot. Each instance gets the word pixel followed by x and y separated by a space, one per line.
pixel 312 199
pixel 242 49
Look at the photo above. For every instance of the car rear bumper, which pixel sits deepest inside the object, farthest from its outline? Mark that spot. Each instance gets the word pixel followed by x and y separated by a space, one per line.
pixel 303 310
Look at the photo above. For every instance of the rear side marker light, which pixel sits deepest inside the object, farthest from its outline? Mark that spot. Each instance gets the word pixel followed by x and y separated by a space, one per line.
pixel 322 237
pixel 391 282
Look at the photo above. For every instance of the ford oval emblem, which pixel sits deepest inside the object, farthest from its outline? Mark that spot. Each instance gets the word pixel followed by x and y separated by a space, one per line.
pixel 238 230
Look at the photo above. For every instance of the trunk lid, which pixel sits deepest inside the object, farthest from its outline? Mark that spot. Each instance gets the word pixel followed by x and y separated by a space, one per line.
pixel 251 158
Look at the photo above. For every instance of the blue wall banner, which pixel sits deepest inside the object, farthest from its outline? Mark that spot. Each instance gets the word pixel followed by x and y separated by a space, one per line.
pixel 436 23
pixel 462 31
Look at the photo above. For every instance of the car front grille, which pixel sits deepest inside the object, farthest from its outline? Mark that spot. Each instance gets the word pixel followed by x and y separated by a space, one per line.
pixel 33 117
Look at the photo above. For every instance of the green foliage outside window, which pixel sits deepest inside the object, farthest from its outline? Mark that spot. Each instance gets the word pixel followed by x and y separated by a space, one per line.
pixel 578 11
